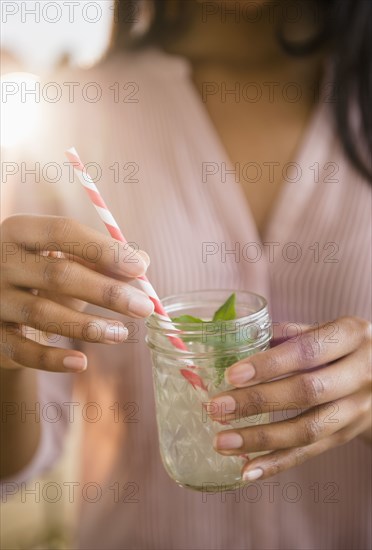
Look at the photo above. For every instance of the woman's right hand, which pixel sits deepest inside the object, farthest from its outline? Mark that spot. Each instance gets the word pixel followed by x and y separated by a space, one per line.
pixel 52 267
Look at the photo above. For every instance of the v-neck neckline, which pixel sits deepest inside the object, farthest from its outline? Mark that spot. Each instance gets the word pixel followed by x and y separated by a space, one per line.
pixel 279 211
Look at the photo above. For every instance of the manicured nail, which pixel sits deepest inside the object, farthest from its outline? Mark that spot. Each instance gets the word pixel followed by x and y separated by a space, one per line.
pixel 145 257
pixel 251 475
pixel 225 441
pixel 75 363
pixel 240 374
pixel 136 263
pixel 140 306
pixel 220 406
pixel 116 333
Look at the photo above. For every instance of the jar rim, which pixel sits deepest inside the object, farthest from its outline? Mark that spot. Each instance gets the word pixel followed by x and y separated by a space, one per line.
pixel 152 321
pixel 161 326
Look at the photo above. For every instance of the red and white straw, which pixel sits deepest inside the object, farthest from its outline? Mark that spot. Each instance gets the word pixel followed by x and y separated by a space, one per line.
pixel 110 222
pixel 108 219
pixel 115 232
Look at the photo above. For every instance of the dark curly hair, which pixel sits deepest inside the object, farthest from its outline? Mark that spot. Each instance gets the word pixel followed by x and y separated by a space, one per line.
pixel 345 27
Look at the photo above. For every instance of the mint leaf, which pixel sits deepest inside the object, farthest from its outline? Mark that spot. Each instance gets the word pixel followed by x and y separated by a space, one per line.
pixel 218 339
pixel 221 364
pixel 187 319
pixel 227 311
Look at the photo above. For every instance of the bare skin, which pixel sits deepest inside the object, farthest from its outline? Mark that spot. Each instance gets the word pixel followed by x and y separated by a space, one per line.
pixel 59 299
pixel 243 130
pixel 332 402
pixel 236 54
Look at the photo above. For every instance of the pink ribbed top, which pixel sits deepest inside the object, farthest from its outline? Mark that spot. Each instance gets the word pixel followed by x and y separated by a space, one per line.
pixel 170 212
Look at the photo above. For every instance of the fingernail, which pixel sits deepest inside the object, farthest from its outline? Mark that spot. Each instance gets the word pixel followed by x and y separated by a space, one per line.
pixel 145 257
pixel 75 363
pixel 140 306
pixel 240 374
pixel 251 475
pixel 222 405
pixel 136 263
pixel 226 441
pixel 116 333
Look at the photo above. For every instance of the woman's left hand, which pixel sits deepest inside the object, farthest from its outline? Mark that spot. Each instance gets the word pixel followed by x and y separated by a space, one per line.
pixel 327 375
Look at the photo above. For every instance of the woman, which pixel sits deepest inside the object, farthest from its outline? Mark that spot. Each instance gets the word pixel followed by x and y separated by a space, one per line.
pixel 212 128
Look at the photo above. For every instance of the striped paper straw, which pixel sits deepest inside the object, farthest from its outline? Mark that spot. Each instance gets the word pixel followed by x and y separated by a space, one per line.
pixel 115 232
pixel 108 219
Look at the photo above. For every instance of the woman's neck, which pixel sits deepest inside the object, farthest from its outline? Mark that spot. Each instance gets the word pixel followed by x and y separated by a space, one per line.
pixel 240 35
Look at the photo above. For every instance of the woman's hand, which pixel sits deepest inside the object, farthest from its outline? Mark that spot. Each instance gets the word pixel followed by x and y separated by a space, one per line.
pixel 52 267
pixel 327 379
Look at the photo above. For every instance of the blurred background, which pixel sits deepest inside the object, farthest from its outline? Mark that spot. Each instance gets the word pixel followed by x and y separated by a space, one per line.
pixel 39 35
pixel 37 38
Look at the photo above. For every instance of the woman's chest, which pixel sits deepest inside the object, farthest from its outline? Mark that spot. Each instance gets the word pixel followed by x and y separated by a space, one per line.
pixel 261 143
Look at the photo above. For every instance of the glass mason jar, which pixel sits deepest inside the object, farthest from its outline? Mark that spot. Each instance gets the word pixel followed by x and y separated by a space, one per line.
pixel 186 380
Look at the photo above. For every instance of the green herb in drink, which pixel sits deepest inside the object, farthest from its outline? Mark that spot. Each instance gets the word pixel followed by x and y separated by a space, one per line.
pixel 185 319
pixel 227 312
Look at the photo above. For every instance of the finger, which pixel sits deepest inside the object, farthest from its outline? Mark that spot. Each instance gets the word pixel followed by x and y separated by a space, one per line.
pixel 301 391
pixel 304 429
pixel 65 277
pixel 69 236
pixel 278 461
pixel 18 351
pixel 285 331
pixel 72 303
pixel 44 315
pixel 310 349
pixel 93 266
